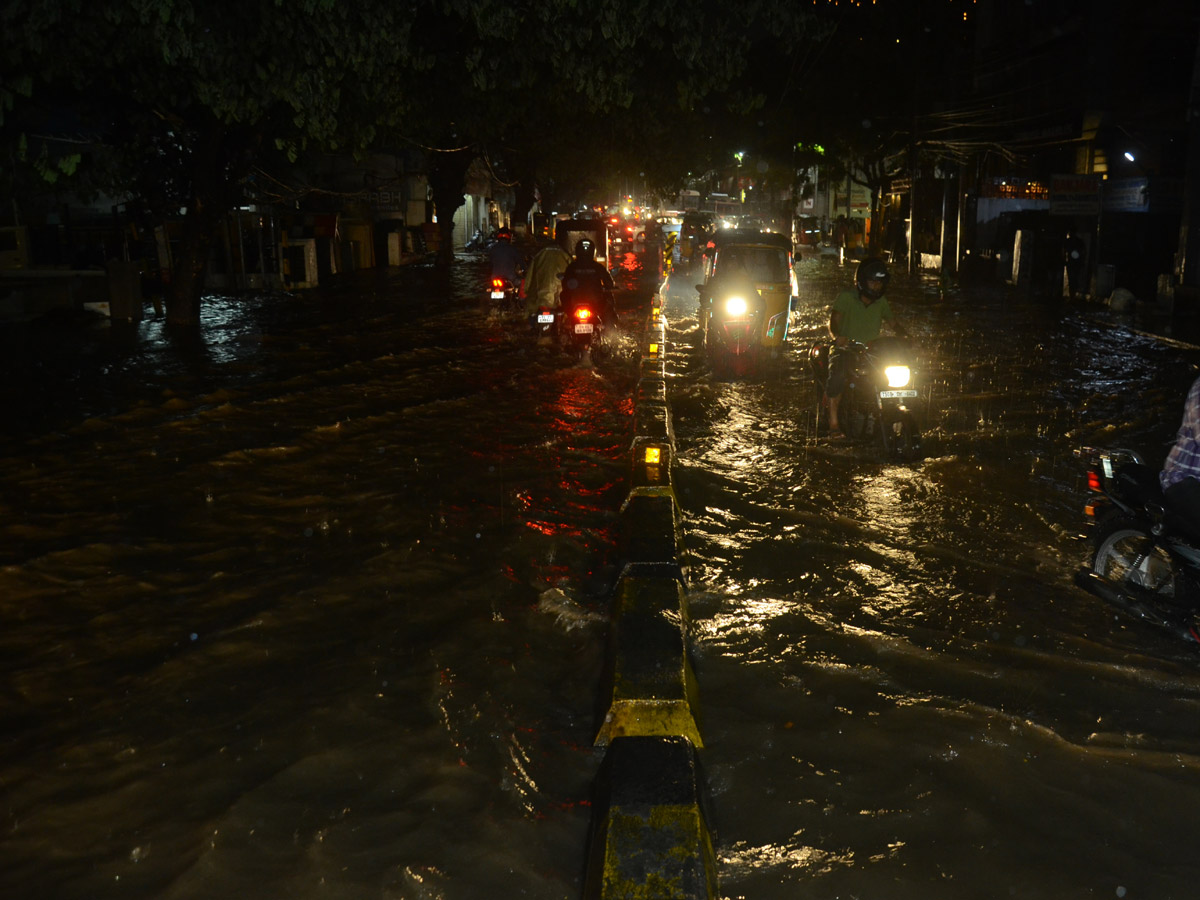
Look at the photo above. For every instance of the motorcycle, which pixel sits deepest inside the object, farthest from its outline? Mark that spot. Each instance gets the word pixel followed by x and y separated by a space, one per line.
pixel 581 320
pixel 1144 560
pixel 503 294
pixel 878 392
pixel 542 322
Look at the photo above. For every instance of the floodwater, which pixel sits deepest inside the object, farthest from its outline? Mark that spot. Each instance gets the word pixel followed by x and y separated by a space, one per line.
pixel 903 694
pixel 314 606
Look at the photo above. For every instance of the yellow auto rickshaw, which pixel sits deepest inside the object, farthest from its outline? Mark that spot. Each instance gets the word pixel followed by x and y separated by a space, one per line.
pixel 766 259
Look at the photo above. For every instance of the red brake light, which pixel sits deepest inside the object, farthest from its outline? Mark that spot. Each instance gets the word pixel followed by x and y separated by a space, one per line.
pixel 1094 483
pixel 497 283
pixel 582 313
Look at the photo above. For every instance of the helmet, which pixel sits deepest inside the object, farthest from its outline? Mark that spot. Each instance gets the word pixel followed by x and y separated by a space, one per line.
pixel 504 235
pixel 585 249
pixel 871 270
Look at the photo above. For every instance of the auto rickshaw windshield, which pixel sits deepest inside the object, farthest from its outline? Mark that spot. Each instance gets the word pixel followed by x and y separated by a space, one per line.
pixel 763 264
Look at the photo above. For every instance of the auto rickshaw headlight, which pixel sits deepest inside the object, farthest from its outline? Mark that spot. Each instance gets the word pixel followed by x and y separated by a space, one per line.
pixel 897 376
pixel 736 306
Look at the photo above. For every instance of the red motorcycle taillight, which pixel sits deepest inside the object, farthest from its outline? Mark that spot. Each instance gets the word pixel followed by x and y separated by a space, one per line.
pixel 498 283
pixel 1094 481
pixel 582 313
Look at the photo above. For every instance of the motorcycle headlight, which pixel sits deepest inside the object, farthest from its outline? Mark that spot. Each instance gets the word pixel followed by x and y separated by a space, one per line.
pixel 736 306
pixel 897 376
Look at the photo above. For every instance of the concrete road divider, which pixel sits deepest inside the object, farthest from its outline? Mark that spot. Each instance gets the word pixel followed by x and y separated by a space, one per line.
pixel 652 688
pixel 649 834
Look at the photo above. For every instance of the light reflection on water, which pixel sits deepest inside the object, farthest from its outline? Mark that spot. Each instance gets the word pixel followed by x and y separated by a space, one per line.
pixel 902 691
pixel 270 601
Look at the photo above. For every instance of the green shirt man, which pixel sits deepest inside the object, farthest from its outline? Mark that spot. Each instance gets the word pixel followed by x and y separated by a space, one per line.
pixel 860 321
pixel 856 315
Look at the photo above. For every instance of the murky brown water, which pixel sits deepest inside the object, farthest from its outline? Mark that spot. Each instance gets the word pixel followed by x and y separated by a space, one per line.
pixel 904 695
pixel 313 607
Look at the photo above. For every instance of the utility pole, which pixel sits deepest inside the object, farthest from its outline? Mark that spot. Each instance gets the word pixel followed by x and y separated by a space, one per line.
pixel 1187 260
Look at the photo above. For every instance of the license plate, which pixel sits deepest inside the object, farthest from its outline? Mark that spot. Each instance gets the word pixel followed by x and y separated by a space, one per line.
pixel 584 328
pixel 545 318
pixel 887 394
pixel 497 295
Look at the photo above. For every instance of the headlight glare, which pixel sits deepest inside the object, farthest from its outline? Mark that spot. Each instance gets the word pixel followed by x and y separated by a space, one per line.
pixel 897 376
pixel 736 306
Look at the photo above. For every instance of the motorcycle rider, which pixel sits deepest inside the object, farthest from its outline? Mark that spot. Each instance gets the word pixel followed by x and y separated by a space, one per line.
pixel 506 260
pixel 1180 475
pixel 587 277
pixel 542 284
pixel 856 315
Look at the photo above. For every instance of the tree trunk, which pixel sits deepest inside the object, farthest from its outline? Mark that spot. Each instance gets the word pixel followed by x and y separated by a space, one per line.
pixel 447 175
pixel 187 275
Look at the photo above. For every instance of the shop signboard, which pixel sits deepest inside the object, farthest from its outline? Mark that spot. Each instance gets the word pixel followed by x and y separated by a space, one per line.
pixel 1074 195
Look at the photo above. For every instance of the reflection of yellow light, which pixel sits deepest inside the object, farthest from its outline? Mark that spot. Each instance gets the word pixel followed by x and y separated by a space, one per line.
pixel 653 456
pixel 653 349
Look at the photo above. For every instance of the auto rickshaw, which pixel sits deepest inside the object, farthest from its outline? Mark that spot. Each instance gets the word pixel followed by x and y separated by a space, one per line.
pixel 595 230
pixel 737 335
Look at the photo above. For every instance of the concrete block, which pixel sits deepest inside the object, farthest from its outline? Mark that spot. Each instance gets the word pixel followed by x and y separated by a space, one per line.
pixel 650 420
pixel 652 689
pixel 650 533
pixel 650 838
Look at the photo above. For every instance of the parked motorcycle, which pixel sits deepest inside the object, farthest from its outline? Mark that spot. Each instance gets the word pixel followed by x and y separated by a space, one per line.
pixel 878 394
pixel 1144 560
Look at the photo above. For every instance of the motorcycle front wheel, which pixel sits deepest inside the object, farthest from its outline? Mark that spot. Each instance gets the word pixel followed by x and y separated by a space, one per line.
pixel 1127 555
pixel 899 436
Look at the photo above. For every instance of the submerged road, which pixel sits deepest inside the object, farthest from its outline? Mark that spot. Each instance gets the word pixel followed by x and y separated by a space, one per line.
pixel 315 605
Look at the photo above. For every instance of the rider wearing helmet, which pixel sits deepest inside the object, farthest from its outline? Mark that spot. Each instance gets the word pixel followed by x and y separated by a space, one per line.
pixel 856 315
pixel 586 276
pixel 507 261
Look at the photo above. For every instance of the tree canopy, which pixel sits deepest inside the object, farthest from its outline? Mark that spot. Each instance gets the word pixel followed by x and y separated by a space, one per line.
pixel 177 103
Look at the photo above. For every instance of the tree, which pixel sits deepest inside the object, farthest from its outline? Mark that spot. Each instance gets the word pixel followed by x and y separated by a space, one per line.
pixel 182 103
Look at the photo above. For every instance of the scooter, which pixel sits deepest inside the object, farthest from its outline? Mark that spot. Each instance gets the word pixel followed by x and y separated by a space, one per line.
pixel 878 394
pixel 1144 560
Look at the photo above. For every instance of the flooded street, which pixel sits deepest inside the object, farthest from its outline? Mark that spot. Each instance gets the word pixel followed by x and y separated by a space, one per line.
pixel 314 606
pixel 904 696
